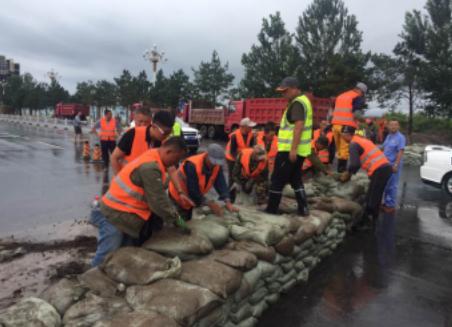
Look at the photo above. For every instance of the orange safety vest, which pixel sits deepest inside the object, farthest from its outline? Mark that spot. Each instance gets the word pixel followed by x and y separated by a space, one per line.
pixel 197 160
pixel 139 144
pixel 240 143
pixel 260 140
pixel 324 157
pixel 107 129
pixel 124 195
pixel 372 157
pixel 343 109
pixel 245 159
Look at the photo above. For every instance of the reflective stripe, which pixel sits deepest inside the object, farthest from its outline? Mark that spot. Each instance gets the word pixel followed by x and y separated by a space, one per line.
pixel 110 197
pixel 284 141
pixel 374 160
pixel 340 118
pixel 128 190
pixel 342 110
pixel 371 152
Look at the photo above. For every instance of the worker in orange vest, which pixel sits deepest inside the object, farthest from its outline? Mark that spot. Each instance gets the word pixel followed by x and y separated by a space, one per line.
pixel 136 202
pixel 251 173
pixel 366 155
pixel 240 139
pixel 268 139
pixel 348 105
pixel 319 159
pixel 108 130
pixel 198 174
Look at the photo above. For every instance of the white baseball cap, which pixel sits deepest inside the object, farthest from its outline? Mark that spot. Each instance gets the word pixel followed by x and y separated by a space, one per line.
pixel 247 122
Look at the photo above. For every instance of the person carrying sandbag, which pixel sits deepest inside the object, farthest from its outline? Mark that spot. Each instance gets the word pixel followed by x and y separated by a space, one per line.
pixel 366 155
pixel 197 175
pixel 136 201
pixel 251 173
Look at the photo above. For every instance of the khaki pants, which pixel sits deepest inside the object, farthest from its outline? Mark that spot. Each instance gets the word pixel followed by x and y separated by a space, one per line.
pixel 341 144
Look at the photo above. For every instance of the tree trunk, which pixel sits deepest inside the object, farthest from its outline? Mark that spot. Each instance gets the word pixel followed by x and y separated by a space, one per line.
pixel 410 114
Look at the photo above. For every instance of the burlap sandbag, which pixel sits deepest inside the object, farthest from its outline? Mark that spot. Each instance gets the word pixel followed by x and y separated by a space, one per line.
pixel 324 217
pixel 30 312
pixel 138 319
pixel 220 279
pixel 262 233
pixel 285 246
pixel 210 229
pixel 132 266
pixel 244 290
pixel 94 308
pixel 63 294
pixel 171 242
pixel 95 280
pixel 244 312
pixel 347 206
pixel 238 259
pixel 262 252
pixel 217 317
pixel 183 302
pixel 251 214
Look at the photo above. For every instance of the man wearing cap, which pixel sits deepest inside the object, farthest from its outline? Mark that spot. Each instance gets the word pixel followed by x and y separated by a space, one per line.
pixel 294 145
pixel 198 174
pixel 348 107
pixel 366 155
pixel 238 140
pixel 251 172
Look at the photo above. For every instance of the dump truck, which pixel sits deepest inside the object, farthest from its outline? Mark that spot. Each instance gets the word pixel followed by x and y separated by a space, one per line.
pixel 69 110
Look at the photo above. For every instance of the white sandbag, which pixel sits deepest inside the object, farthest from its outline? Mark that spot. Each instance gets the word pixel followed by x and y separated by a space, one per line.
pixel 262 233
pixel 63 294
pixel 30 311
pixel 210 229
pixel 137 319
pixel 258 295
pixel 241 260
pixel 95 280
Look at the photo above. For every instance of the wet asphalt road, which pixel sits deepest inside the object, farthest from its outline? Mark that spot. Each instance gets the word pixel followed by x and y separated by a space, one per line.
pixel 399 275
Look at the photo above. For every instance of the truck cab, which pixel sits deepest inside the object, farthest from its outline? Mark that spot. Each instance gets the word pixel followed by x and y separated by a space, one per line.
pixel 437 167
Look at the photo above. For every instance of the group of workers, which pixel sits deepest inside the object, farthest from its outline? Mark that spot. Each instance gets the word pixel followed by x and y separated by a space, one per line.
pixel 156 184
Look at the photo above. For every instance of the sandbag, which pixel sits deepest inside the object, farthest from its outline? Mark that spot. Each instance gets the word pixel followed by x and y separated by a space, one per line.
pixel 63 294
pixel 241 260
pixel 132 266
pixel 185 303
pixel 288 286
pixel 303 275
pixel 272 298
pixel 250 322
pixel 285 246
pixel 274 287
pixel 249 214
pixel 138 319
pixel 262 233
pixel 259 309
pixel 95 280
pixel 347 206
pixel 30 311
pixel 244 290
pixel 94 308
pixel 216 233
pixel 324 217
pixel 288 266
pixel 244 312
pixel 171 243
pixel 258 295
pixel 262 252
pixel 216 277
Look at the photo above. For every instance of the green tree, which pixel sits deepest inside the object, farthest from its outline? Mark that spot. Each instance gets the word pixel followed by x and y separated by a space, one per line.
pixel 158 90
pixel 56 93
pixel 212 78
pixel 105 95
pixel 267 63
pixel 331 59
pixel 178 88
pixel 13 93
pixel 85 93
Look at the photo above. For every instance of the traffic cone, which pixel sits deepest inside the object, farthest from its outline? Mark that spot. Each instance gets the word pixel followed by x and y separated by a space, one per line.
pixel 97 154
pixel 86 151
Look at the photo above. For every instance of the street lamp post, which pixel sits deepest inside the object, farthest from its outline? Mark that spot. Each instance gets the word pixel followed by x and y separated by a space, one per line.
pixel 154 57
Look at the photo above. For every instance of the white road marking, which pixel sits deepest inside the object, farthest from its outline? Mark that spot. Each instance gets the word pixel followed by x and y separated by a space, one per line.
pixel 51 145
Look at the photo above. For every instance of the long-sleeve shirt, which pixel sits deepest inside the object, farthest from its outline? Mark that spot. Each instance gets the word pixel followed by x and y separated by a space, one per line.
pixel 354 163
pixel 358 103
pixel 149 177
pixel 237 175
pixel 194 192
pixel 234 147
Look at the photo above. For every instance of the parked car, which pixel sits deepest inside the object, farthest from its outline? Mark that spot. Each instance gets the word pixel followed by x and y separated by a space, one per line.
pixel 192 136
pixel 437 167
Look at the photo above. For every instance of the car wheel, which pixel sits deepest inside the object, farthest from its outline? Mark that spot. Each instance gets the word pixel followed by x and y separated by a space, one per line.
pixel 447 183
pixel 203 131
pixel 211 132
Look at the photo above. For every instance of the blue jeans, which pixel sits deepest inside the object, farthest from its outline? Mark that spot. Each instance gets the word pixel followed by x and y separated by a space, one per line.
pixel 390 194
pixel 110 238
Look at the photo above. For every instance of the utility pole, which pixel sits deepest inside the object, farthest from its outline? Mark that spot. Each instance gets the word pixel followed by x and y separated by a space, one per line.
pixel 154 57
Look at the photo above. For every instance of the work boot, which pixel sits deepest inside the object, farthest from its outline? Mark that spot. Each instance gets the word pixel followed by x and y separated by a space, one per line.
pixel 273 203
pixel 302 202
pixel 341 165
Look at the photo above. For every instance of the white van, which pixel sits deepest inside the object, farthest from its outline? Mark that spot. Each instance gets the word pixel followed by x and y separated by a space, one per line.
pixel 437 167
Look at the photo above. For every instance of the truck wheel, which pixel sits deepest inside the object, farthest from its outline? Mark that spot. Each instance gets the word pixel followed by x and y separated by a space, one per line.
pixel 447 183
pixel 203 131
pixel 211 132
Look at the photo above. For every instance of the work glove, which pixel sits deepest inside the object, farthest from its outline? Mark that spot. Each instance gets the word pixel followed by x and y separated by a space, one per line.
pixel 182 225
pixel 344 177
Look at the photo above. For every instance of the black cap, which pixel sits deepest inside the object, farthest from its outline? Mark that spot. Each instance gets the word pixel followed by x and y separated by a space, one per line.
pixel 348 130
pixel 288 82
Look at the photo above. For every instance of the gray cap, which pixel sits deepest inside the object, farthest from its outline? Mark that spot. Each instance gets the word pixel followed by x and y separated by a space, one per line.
pixel 288 82
pixel 362 87
pixel 215 153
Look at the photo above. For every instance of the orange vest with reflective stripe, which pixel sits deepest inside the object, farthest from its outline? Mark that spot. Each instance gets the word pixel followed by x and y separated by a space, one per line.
pixel 343 110
pixel 107 129
pixel 372 157
pixel 324 157
pixel 197 160
pixel 241 144
pixel 260 140
pixel 139 144
pixel 124 195
pixel 245 159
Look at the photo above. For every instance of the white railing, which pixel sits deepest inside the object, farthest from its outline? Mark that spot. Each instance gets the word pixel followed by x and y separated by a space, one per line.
pixel 60 123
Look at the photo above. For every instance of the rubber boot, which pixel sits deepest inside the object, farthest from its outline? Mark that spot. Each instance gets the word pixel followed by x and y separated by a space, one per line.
pixel 273 203
pixel 302 202
pixel 341 165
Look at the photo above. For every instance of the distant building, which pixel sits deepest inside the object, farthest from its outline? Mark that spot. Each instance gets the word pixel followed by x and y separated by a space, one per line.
pixel 8 68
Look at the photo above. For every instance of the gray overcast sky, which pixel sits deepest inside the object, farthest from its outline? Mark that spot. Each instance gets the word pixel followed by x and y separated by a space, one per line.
pixel 90 39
